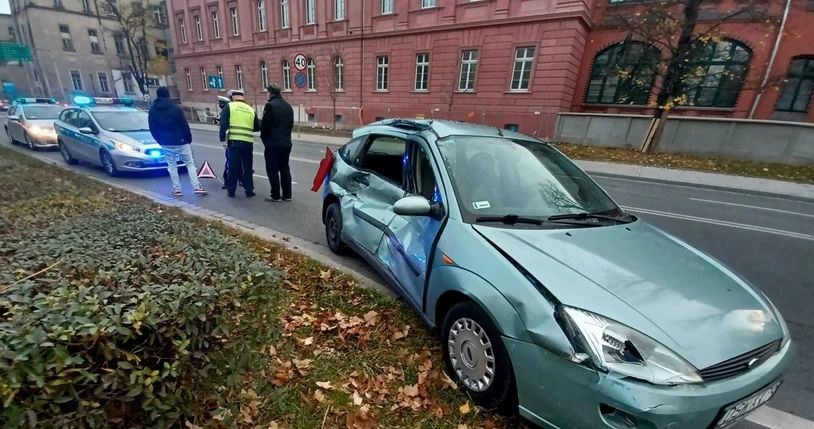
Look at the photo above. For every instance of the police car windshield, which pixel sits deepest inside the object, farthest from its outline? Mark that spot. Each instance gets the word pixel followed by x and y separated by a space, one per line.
pixel 122 121
pixel 42 112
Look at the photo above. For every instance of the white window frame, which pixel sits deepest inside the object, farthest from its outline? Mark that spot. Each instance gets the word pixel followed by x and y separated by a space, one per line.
pixel 67 39
pixel 339 10
pixel 526 64
pixel 310 12
pixel 311 74
pixel 198 27
pixel 422 72
pixel 469 69
pixel 285 15
pixel 215 23
pixel 105 89
pixel 427 4
pixel 387 7
pixel 239 76
pixel 339 74
pixel 261 15
pixel 189 79
pixel 85 5
pixel 264 75
pixel 73 82
pixel 382 73
pixel 91 38
pixel 182 28
pixel 235 20
pixel 127 81
pixel 204 80
pixel 286 75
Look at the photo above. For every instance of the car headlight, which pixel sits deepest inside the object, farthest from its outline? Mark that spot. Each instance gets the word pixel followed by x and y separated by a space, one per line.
pixel 125 147
pixel 621 349
pixel 38 131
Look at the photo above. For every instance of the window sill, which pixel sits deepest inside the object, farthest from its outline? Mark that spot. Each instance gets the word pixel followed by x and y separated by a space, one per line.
pixel 466 91
pixel 68 50
pixel 425 9
pixel 381 91
pixel 312 91
pixel 287 90
pixel 385 15
pixel 518 91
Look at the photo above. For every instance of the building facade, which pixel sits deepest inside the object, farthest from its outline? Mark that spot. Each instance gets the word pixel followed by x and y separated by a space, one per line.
pixel 13 79
pixel 502 62
pixel 78 47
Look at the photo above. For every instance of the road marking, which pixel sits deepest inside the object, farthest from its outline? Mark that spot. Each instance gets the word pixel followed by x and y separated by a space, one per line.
pixel 293 158
pixel 723 223
pixel 266 177
pixel 751 207
pixel 776 419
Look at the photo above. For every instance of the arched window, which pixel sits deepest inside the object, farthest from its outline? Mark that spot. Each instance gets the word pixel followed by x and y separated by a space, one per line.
pixel 284 15
pixel 261 15
pixel 264 75
pixel 312 74
pixel 623 74
pixel 286 76
pixel 798 86
pixel 715 73
pixel 339 74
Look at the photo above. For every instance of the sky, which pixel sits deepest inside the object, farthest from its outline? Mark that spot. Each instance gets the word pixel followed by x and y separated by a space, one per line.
pixel 4 8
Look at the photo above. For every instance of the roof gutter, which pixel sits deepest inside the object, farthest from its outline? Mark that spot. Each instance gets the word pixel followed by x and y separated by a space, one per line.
pixel 771 59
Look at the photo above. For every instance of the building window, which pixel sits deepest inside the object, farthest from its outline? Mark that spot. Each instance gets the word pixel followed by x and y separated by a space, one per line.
pixel 382 72
pixel 312 74
pixel 111 6
pixel 12 34
pixel 264 75
pixel 104 85
pixel 239 75
pixel 76 80
pixel 159 15
pixel 523 60
pixel 215 24
pixel 198 29
pixel 261 15
pixel 286 76
pixel 387 7
pixel 422 72
pixel 235 21
pixel 623 74
pixel 469 66
pixel 425 4
pixel 182 28
pixel 161 49
pixel 284 15
pixel 67 42
pixel 204 80
pixel 339 74
pixel 714 74
pixel 127 80
pixel 85 5
pixel 189 79
pixel 310 12
pixel 93 37
pixel 118 41
pixel 339 10
pixel 797 89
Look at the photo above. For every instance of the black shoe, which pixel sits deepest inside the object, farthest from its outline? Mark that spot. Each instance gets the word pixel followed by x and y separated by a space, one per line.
pixel 231 194
pixel 273 200
pixel 288 200
pixel 250 194
pixel 223 187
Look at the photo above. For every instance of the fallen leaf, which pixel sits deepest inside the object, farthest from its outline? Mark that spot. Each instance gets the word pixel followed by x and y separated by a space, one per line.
pixel 371 317
pixel 325 385
pixel 272 351
pixel 325 275
pixel 357 400
pixel 319 396
pixel 307 341
pixel 465 409
pixel 361 419
pixel 411 390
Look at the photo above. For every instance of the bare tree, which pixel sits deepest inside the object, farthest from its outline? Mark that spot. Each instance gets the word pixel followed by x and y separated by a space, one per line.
pixel 337 80
pixel 673 29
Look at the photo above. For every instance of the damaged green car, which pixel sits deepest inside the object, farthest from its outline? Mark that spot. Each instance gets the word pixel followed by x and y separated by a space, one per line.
pixel 548 297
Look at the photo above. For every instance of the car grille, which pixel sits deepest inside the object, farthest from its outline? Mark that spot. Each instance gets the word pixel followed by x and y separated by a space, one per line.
pixel 739 364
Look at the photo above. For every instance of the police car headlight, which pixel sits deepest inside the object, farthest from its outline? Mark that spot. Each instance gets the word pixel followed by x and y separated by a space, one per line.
pixel 125 147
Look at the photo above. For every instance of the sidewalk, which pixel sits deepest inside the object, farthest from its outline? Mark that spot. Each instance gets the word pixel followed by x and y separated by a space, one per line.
pixel 639 172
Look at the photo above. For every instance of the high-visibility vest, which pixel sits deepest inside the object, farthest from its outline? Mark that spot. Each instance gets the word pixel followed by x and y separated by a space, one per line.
pixel 241 122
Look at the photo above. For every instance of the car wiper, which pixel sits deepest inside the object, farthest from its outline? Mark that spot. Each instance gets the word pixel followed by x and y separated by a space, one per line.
pixel 509 219
pixel 586 216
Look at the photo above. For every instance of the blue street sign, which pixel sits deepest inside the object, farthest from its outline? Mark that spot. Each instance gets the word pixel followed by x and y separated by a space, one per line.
pixel 299 79
pixel 215 81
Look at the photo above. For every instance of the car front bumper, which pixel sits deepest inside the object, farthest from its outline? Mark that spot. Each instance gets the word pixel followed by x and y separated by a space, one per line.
pixel 561 394
pixel 43 140
pixel 134 162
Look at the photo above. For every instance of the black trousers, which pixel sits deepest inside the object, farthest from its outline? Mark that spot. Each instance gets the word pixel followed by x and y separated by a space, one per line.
pixel 240 159
pixel 278 170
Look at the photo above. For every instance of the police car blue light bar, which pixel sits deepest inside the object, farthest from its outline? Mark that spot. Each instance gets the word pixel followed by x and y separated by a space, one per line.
pixel 31 100
pixel 82 100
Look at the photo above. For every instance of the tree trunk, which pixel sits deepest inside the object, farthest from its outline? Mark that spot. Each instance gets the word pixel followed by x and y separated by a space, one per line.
pixel 654 131
pixel 333 105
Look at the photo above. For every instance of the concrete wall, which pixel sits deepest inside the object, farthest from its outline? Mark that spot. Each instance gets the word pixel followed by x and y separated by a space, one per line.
pixel 753 140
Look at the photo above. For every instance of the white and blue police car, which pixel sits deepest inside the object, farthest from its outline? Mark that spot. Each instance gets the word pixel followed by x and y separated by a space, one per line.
pixel 108 132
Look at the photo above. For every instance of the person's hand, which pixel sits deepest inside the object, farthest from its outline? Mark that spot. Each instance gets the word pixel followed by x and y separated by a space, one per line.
pixel 224 145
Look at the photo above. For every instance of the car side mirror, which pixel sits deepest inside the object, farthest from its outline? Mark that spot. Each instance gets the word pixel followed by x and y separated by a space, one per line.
pixel 413 205
pixel 87 130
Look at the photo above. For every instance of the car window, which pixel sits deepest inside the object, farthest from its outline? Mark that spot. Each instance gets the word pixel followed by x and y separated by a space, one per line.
pixel 65 115
pixel 350 152
pixel 123 120
pixel 423 177
pixel 82 119
pixel 385 157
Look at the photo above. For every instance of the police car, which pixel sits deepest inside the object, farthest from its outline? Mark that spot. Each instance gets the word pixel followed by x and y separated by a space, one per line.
pixel 108 132
pixel 31 121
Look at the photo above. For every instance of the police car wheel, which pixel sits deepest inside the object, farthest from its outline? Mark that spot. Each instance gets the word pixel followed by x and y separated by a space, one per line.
pixel 333 229
pixel 29 143
pixel 109 165
pixel 66 154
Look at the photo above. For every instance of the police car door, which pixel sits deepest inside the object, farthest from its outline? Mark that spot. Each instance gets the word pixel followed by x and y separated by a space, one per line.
pixel 87 145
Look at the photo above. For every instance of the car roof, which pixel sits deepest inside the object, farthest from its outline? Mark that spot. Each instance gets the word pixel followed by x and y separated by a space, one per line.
pixel 441 128
pixel 111 109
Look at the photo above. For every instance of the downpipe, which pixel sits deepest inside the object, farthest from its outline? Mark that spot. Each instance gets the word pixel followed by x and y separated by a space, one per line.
pixel 773 57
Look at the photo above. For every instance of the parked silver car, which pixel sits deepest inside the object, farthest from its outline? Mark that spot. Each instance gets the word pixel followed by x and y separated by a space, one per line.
pixel 31 121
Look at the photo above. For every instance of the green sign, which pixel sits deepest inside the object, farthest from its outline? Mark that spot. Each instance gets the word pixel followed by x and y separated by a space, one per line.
pixel 14 52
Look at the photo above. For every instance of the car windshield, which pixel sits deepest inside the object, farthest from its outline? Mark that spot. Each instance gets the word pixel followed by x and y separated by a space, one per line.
pixel 123 121
pixel 42 112
pixel 496 177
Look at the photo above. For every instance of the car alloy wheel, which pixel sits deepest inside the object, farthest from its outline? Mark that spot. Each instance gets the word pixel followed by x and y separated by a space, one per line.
pixel 66 155
pixel 29 143
pixel 109 165
pixel 476 358
pixel 333 229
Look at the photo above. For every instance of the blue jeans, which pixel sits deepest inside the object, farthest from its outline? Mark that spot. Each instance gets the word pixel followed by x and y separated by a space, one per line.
pixel 184 152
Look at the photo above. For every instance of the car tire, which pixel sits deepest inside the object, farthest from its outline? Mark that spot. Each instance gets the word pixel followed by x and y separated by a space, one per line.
pixel 108 164
pixel 477 359
pixel 66 154
pixel 10 138
pixel 333 229
pixel 29 143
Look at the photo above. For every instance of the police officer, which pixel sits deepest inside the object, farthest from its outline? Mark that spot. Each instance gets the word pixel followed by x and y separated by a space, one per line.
pixel 222 102
pixel 239 120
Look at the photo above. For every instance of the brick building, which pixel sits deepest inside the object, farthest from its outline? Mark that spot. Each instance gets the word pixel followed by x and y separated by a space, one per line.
pixel 495 61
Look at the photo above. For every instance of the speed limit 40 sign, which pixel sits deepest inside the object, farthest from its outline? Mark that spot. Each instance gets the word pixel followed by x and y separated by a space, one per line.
pixel 300 62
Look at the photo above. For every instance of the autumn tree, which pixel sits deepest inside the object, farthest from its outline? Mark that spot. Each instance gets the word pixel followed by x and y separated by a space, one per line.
pixel 665 40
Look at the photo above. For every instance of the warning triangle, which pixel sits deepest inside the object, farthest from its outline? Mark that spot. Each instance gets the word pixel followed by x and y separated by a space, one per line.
pixel 206 171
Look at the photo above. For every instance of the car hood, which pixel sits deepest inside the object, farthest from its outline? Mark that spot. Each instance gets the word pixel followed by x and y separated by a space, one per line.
pixel 143 138
pixel 44 123
pixel 650 281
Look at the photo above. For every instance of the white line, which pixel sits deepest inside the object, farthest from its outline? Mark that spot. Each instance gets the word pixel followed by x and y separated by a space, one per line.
pixel 776 419
pixel 266 177
pixel 293 158
pixel 751 207
pixel 723 223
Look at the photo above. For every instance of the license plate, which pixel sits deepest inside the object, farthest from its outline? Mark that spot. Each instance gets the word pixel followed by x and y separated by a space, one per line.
pixel 740 409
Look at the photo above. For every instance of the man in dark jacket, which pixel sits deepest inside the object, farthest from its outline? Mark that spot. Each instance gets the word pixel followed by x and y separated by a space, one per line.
pixel 170 129
pixel 275 131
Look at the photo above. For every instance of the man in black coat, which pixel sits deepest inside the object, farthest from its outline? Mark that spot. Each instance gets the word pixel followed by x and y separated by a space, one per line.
pixel 275 132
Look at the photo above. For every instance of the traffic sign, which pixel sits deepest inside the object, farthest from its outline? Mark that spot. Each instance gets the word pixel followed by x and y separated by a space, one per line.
pixel 299 79
pixel 14 52
pixel 215 81
pixel 300 62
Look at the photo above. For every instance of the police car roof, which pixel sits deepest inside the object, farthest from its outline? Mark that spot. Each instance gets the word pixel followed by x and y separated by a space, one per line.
pixel 112 108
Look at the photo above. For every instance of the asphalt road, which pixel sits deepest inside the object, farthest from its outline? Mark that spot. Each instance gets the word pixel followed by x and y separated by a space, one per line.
pixel 767 240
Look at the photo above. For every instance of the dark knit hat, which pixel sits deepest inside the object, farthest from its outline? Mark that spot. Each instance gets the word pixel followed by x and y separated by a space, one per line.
pixel 162 92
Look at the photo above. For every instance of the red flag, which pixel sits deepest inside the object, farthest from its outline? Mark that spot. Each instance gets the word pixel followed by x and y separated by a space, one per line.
pixel 323 170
